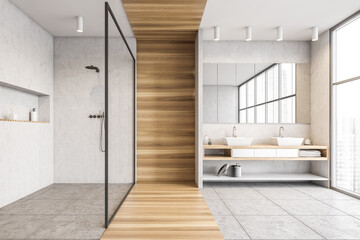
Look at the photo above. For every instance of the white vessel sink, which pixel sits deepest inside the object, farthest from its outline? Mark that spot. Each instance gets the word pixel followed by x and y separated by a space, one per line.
pixel 286 141
pixel 238 141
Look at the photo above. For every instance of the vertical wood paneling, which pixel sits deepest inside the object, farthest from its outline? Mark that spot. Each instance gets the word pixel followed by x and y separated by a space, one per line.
pixel 166 31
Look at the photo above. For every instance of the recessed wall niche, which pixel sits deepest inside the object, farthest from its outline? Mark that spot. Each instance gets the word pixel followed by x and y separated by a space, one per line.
pixel 21 101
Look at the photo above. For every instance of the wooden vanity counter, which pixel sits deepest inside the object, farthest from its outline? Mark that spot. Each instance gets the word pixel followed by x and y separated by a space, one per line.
pixel 262 152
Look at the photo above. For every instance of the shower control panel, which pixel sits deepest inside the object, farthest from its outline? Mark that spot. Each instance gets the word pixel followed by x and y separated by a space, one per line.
pixel 96 116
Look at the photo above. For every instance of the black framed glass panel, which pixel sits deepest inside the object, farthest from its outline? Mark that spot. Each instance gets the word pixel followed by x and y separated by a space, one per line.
pixel 120 115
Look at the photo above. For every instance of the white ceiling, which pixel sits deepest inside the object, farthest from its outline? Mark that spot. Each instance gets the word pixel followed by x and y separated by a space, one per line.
pixel 58 17
pixel 296 16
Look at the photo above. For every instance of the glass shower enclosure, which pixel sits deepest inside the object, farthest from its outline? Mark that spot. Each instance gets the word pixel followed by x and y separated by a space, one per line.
pixel 119 116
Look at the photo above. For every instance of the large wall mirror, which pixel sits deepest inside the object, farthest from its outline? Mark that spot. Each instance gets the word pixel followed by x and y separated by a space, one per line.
pixel 264 93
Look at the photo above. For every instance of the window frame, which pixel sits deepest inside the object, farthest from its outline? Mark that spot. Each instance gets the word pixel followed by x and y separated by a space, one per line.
pixel 266 102
pixel 332 85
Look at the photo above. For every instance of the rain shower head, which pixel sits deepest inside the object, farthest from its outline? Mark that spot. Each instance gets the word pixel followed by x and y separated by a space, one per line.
pixel 93 68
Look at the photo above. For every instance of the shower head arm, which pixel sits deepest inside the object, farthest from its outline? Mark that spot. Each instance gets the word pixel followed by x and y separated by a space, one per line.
pixel 92 67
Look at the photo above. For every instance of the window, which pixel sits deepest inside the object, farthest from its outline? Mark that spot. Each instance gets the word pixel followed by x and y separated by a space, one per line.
pixel 269 97
pixel 250 93
pixel 260 89
pixel 272 83
pixel 345 114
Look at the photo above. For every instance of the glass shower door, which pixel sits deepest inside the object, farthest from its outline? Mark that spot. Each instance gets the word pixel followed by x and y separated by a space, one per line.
pixel 120 110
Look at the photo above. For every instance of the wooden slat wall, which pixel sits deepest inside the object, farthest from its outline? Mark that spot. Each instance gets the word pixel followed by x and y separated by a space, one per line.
pixel 166 111
pixel 166 31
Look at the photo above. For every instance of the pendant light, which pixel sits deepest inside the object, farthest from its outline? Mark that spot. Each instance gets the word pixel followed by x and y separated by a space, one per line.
pixel 248 36
pixel 315 34
pixel 80 24
pixel 216 33
pixel 279 33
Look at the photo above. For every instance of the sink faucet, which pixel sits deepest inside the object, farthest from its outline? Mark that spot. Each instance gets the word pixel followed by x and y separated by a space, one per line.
pixel 234 132
pixel 280 133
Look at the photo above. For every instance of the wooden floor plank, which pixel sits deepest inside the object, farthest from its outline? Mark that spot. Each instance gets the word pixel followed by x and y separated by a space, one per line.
pixel 163 211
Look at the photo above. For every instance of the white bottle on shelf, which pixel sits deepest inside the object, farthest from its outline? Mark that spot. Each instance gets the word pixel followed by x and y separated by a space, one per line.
pixel 12 115
pixel 34 115
pixel 206 140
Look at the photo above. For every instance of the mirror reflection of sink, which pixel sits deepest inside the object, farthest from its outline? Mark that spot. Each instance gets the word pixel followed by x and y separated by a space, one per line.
pixel 286 141
pixel 238 141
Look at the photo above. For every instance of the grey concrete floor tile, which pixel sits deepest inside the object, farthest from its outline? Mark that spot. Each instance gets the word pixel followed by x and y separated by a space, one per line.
pixel 254 208
pixel 5 209
pixel 114 192
pixel 209 193
pixel 34 206
pixel 238 193
pixel 21 226
pixel 308 208
pixel 217 207
pixel 282 193
pixel 71 193
pixel 334 227
pixel 230 185
pixel 276 227
pixel 230 227
pixel 322 193
pixel 97 192
pixel 351 206
pixel 113 204
pixel 75 185
pixel 264 185
pixel 85 207
pixel 72 227
pixel 303 185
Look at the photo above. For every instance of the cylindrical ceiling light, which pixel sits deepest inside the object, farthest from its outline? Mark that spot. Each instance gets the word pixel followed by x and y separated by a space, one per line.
pixel 80 24
pixel 315 34
pixel 248 36
pixel 216 33
pixel 279 33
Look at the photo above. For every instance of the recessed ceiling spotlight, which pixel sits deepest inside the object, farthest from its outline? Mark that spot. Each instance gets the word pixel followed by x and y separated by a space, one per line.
pixel 80 24
pixel 315 34
pixel 216 33
pixel 279 33
pixel 248 33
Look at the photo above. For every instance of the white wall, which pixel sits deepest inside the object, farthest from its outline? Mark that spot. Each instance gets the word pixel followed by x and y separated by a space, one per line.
pixel 79 92
pixel 320 86
pixel 320 96
pixel 26 61
pixel 256 52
